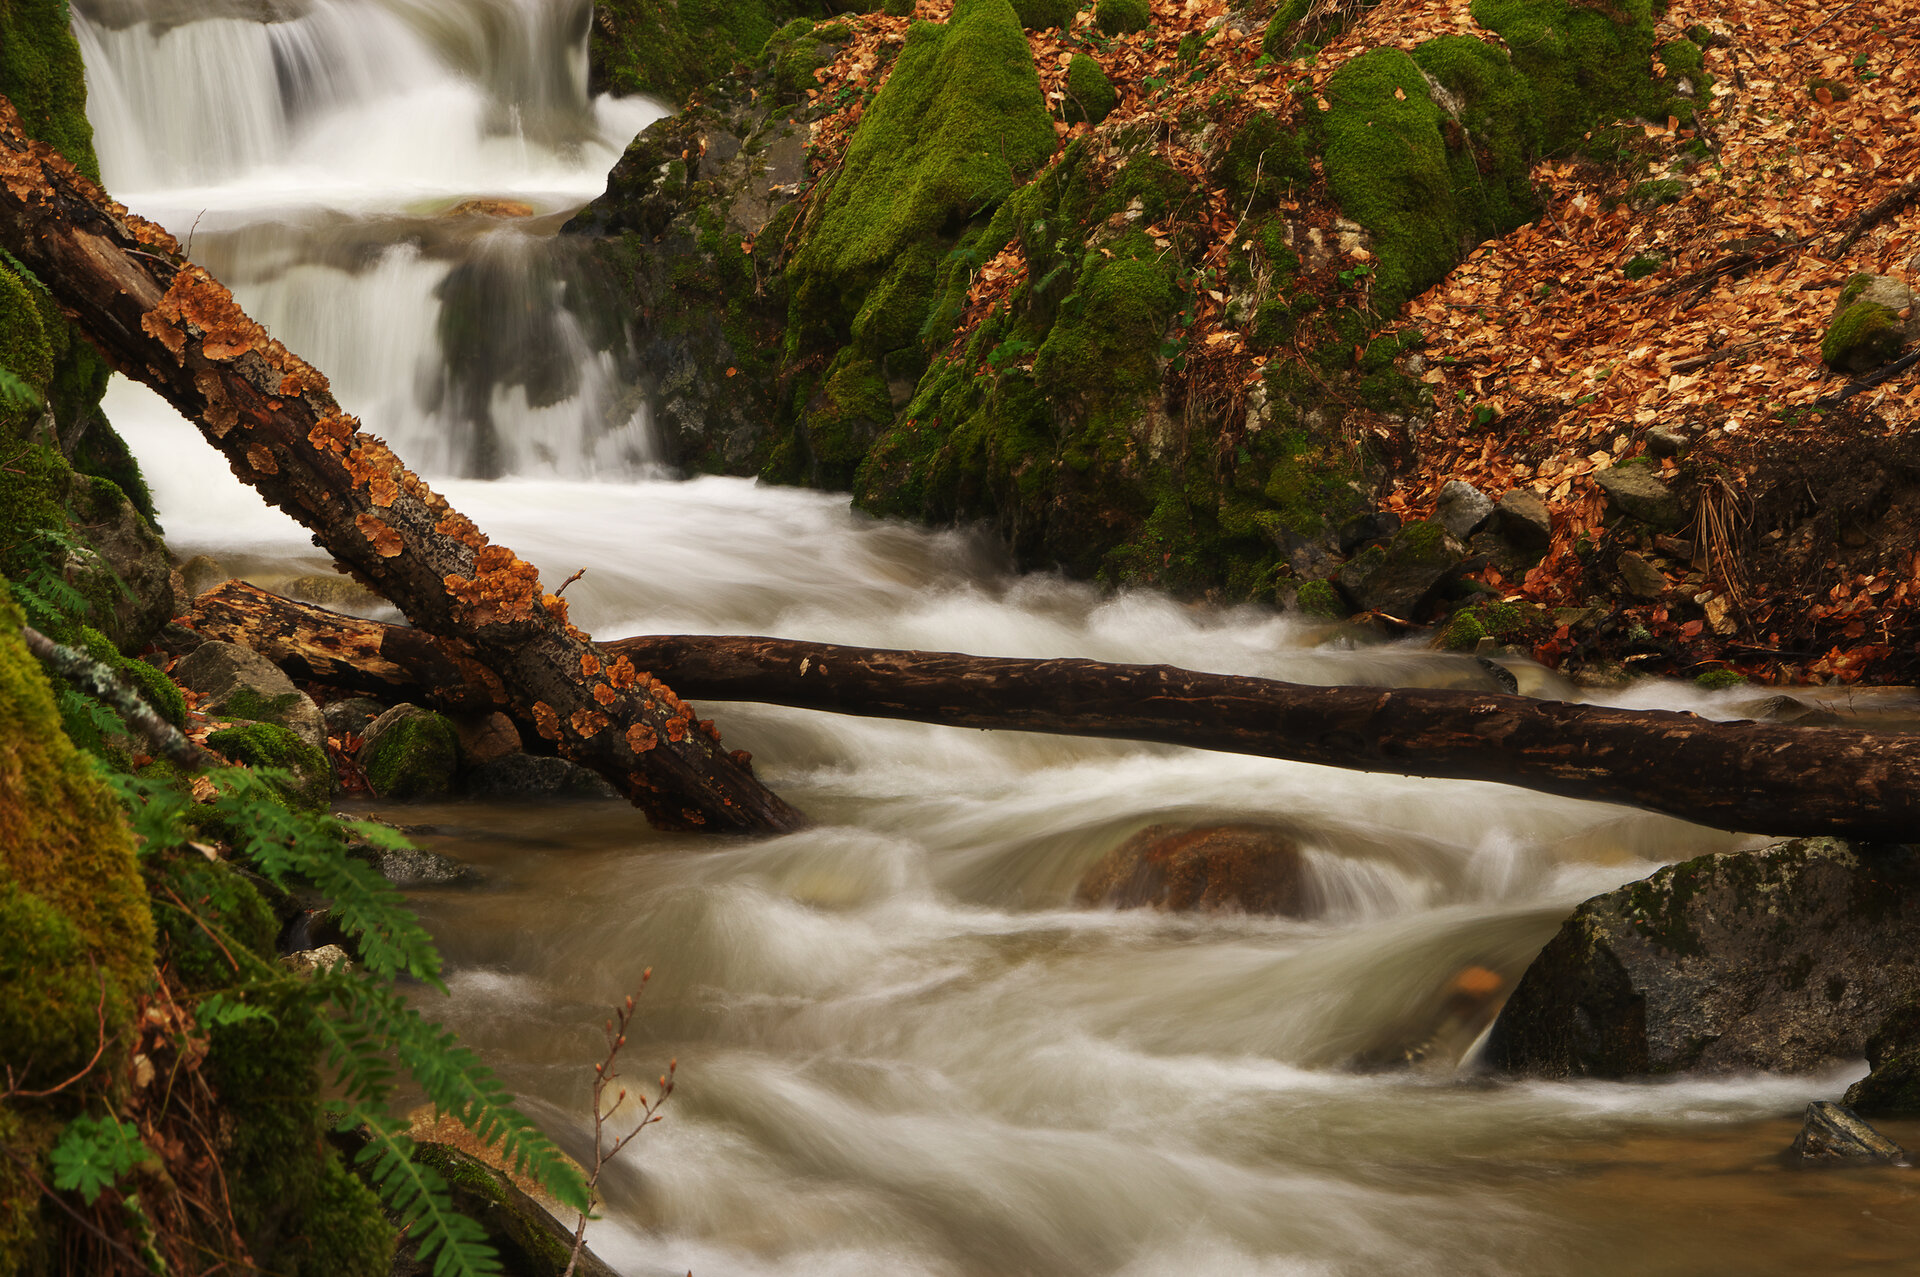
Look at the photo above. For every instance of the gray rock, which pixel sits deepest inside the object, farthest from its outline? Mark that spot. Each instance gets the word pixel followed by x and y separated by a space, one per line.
pixel 1642 578
pixel 1892 1088
pixel 1835 1134
pixel 355 714
pixel 1399 578
pixel 536 776
pixel 307 963
pixel 1662 442
pixel 1525 521
pixel 1462 509
pixel 1632 489
pixel 238 682
pixel 414 866
pixel 1364 529
pixel 1782 959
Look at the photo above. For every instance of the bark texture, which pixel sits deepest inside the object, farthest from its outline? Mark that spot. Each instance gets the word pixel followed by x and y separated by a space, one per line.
pixel 166 322
pixel 1756 777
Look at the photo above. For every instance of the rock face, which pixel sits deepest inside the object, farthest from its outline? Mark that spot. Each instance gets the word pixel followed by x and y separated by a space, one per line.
pixel 1782 959
pixel 1893 1088
pixel 237 682
pixel 1248 868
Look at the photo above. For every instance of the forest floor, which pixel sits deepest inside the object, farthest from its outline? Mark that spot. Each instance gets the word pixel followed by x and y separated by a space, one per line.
pixel 1684 286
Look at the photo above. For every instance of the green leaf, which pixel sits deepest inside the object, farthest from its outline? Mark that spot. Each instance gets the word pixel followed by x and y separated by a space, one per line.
pixel 93 1153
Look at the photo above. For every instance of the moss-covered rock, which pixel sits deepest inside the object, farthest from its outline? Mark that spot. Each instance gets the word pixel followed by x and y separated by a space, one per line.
pixel 1862 336
pixel 1400 578
pixel 410 754
pixel 1122 17
pixel 41 73
pixel 1783 959
pixel 1503 622
pixel 270 745
pixel 159 691
pixel 529 1240
pixel 1090 94
pixel 671 48
pixel 1041 15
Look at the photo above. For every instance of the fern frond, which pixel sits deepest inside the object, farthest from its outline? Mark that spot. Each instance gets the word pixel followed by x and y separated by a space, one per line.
pixel 459 1084
pixel 285 844
pixel 419 1198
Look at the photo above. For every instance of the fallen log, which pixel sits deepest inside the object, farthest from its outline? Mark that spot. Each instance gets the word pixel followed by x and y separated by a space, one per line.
pixel 164 321
pixel 1762 778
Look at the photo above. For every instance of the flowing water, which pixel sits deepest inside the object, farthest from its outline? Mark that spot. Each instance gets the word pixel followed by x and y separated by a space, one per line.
pixel 902 1048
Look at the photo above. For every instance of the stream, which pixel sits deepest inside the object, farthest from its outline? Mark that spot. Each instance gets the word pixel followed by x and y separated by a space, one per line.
pixel 902 1048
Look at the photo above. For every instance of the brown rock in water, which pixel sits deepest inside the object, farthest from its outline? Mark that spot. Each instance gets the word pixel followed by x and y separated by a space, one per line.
pixel 1250 868
pixel 1835 1134
pixel 1785 959
pixel 490 208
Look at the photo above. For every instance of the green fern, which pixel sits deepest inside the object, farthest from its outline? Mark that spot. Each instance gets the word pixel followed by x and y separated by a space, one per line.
pixel 418 1195
pixel 15 393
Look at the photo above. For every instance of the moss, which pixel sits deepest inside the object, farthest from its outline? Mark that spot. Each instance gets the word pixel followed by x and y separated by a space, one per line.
pixel 853 406
pixel 413 758
pixel 1319 598
pixel 154 687
pixel 1122 17
pixel 1039 15
pixel 270 745
pixel 1851 291
pixel 1643 265
pixel 1719 680
pixel 1653 193
pixel 41 73
pixel 1864 334
pixel 1491 618
pixel 1090 94
pixel 959 121
pixel 1585 65
pixel 1263 163
pixel 1106 350
pixel 792 54
pixel 673 48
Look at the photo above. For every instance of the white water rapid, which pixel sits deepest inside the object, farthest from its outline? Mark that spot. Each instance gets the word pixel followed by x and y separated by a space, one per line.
pixel 902 1049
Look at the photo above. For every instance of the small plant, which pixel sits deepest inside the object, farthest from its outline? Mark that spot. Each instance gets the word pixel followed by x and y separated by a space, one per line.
pixel 93 1153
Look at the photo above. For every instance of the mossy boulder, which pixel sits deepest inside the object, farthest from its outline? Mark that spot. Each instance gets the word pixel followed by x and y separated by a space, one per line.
pixel 1868 329
pixel 1785 959
pixel 1399 578
pixel 1040 15
pixel 668 49
pixel 310 783
pixel 410 754
pixel 1122 17
pixel 1090 94
pixel 1503 622
pixel 1634 490
pixel 237 682
pixel 161 693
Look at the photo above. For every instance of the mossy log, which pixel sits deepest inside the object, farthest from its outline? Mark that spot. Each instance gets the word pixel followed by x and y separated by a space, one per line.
pixel 164 321
pixel 1756 777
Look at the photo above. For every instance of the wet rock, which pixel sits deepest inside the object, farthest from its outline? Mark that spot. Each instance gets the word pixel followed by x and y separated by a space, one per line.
pixel 1523 519
pixel 1781 959
pixel 309 782
pixel 485 737
pixel 307 963
pixel 410 754
pixel 1787 709
pixel 237 682
pixel 535 776
pixel 1632 489
pixel 200 574
pixel 355 715
pixel 1399 578
pixel 1835 1134
pixel 498 208
pixel 1462 509
pixel 1453 1019
pixel 1873 318
pixel 1892 1089
pixel 414 866
pixel 333 591
pixel 1643 580
pixel 1249 868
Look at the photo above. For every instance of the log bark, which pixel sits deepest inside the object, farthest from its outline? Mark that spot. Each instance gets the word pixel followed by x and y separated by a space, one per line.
pixel 1762 778
pixel 164 321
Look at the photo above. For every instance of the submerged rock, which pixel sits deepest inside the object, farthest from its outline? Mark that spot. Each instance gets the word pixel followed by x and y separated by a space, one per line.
pixel 1782 959
pixel 1250 868
pixel 1836 1134
pixel 535 776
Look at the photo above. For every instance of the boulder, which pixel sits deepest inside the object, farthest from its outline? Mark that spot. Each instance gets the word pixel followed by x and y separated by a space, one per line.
pixel 1462 509
pixel 1524 521
pixel 237 682
pixel 1632 490
pixel 485 737
pixel 1643 580
pixel 535 776
pixel 410 754
pixel 1246 868
pixel 1835 1134
pixel 1892 1089
pixel 1365 528
pixel 1873 318
pixel 355 715
pixel 414 866
pixel 309 783
pixel 1782 959
pixel 1399 578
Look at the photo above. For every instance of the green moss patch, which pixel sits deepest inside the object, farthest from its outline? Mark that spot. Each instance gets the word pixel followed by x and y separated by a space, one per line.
pixel 270 745
pixel 412 758
pixel 1122 17
pixel 1090 94
pixel 1861 336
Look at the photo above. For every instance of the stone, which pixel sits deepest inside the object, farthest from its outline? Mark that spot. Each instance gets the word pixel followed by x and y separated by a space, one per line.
pixel 524 1233
pixel 237 682
pixel 1832 1133
pixel 414 866
pixel 1872 319
pixel 307 963
pixel 1366 528
pixel 1524 521
pixel 1643 580
pixel 200 574
pixel 410 754
pixel 485 737
pixel 535 776
pixel 1632 489
pixel 332 591
pixel 1462 509
pixel 1783 959
pixel 309 783
pixel 353 715
pixel 1662 442
pixel 1892 1088
pixel 1244 868
pixel 486 207
pixel 1401 577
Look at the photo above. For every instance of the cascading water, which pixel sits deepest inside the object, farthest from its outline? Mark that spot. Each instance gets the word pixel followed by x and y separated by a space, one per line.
pixel 902 1050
